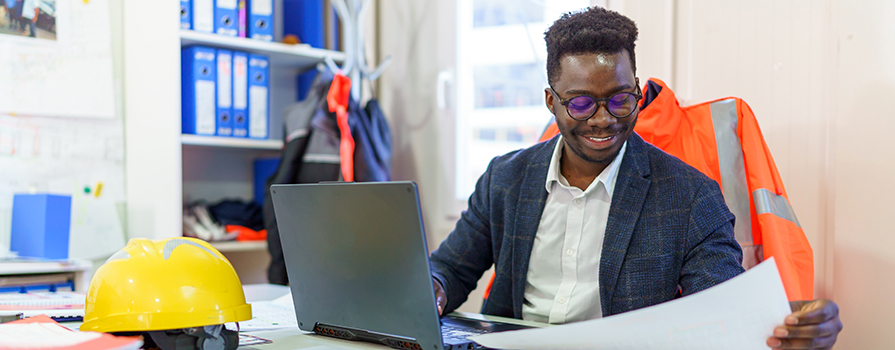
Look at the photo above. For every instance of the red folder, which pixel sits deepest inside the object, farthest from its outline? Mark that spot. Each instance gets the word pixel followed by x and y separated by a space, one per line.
pixel 104 342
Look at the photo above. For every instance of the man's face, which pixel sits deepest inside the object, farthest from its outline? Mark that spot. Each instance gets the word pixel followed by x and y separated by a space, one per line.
pixel 597 140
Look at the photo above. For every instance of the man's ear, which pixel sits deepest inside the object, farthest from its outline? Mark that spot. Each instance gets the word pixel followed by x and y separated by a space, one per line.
pixel 548 99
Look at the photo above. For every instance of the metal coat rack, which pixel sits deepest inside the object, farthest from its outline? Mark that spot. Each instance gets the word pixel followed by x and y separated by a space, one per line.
pixel 355 65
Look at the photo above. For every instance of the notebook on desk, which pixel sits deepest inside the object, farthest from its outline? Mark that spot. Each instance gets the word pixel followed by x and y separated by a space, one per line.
pixel 358 266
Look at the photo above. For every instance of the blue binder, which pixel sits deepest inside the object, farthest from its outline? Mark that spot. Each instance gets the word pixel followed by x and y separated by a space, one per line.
pixel 203 16
pixel 224 83
pixel 186 14
pixel 240 94
pixel 226 17
pixel 304 19
pixel 263 169
pixel 197 90
pixel 259 98
pixel 260 26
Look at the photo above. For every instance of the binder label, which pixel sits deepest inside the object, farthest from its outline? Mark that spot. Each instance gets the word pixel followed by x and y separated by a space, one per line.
pixel 240 82
pixel 185 14
pixel 227 4
pixel 262 7
pixel 239 119
pixel 258 63
pixel 258 112
pixel 205 111
pixel 203 15
pixel 224 78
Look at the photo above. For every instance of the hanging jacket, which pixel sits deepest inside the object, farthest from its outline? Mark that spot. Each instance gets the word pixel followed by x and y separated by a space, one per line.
pixel 312 154
pixel 365 145
pixel 372 142
pixel 721 138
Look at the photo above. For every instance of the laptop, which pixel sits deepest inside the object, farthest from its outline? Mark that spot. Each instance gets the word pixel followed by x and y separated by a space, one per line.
pixel 358 266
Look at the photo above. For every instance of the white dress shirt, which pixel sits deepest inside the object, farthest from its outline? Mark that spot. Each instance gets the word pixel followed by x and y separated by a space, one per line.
pixel 563 281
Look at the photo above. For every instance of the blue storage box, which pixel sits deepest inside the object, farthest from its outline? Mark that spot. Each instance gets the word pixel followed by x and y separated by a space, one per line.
pixel 40 225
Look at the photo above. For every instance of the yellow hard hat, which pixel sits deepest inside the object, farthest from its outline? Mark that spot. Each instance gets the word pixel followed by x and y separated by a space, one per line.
pixel 173 283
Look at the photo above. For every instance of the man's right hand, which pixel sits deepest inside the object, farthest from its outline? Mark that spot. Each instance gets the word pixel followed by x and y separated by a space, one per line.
pixel 440 297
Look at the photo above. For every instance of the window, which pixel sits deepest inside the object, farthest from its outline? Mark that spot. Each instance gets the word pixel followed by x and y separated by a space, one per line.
pixel 501 79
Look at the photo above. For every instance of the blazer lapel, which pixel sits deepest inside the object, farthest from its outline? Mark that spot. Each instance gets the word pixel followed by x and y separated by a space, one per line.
pixel 530 206
pixel 630 193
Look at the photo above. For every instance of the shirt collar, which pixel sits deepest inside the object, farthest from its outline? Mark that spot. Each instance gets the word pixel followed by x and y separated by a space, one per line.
pixel 607 177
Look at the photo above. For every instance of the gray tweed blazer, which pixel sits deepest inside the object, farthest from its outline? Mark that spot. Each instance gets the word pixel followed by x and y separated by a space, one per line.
pixel 668 228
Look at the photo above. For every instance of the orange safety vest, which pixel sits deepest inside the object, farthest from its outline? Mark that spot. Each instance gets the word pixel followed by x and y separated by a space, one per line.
pixel 722 139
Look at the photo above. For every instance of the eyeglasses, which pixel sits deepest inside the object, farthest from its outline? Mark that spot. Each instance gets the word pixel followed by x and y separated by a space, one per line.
pixel 583 107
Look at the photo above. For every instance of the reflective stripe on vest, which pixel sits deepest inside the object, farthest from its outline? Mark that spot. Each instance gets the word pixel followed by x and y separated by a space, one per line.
pixel 733 170
pixel 769 202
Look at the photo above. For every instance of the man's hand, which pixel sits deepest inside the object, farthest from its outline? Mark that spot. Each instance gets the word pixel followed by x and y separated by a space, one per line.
pixel 440 297
pixel 812 325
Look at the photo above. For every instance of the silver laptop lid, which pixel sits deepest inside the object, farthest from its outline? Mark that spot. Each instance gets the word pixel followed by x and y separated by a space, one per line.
pixel 356 258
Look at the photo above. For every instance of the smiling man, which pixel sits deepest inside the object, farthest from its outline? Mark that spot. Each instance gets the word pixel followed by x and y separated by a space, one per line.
pixel 597 222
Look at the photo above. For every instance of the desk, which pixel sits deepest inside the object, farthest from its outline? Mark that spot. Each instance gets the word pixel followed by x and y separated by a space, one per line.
pixel 81 268
pixel 285 339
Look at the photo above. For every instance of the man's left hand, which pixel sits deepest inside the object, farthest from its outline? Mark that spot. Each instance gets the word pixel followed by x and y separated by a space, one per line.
pixel 812 325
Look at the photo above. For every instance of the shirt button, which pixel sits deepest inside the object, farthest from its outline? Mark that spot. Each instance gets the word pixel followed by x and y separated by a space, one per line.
pixel 578 201
pixel 561 300
pixel 570 252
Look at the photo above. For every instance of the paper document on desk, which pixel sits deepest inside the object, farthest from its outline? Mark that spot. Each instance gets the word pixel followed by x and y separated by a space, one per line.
pixel 737 314
pixel 266 315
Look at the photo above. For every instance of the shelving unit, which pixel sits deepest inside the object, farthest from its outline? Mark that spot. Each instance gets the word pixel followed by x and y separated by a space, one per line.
pixel 216 168
pixel 231 142
pixel 81 269
pixel 299 56
pixel 236 246
pixel 164 167
pixel 250 259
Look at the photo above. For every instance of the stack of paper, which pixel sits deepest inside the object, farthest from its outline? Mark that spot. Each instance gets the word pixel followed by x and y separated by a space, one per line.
pixel 41 332
pixel 266 315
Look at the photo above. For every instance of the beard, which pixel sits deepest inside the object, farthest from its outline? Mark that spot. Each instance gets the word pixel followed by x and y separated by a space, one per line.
pixel 619 130
pixel 604 160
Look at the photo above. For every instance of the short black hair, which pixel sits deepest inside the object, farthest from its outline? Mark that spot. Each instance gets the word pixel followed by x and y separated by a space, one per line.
pixel 591 30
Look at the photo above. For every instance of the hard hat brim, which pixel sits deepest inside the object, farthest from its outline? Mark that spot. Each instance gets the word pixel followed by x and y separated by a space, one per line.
pixel 158 321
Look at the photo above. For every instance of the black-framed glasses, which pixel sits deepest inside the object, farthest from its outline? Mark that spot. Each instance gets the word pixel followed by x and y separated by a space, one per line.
pixel 583 107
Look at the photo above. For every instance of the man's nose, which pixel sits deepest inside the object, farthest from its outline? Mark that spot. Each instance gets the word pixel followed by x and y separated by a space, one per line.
pixel 601 118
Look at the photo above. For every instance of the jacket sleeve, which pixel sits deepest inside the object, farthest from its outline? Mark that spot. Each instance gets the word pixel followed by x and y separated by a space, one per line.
pixel 466 253
pixel 714 255
pixel 774 223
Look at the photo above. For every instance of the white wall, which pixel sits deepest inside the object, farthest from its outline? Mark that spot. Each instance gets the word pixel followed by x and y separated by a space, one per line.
pixel 151 38
pixel 862 220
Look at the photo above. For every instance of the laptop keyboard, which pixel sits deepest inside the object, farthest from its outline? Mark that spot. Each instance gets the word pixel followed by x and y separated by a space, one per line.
pixel 460 333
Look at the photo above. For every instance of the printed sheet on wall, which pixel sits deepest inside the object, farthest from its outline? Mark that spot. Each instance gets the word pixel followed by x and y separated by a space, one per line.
pixel 60 126
pixel 56 59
